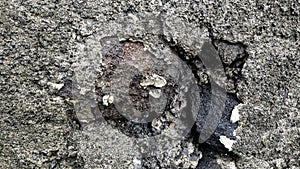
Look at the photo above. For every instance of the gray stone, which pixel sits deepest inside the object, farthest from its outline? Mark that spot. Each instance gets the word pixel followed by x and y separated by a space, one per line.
pixel 39 41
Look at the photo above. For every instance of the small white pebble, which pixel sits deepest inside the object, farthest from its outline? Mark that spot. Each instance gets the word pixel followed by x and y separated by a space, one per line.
pixel 227 142
pixel 235 116
pixel 147 82
pixel 107 99
pixel 234 132
pixel 55 85
pixel 155 93
pixel 156 80
pixel 159 81
pixel 110 99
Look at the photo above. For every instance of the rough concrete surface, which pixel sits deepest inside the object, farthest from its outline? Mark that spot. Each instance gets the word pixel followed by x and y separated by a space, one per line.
pixel 42 41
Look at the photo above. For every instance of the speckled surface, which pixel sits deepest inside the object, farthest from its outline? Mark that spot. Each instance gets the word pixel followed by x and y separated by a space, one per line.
pixel 39 44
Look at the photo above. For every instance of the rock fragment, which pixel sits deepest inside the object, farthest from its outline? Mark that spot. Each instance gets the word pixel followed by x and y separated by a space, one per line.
pixel 156 93
pixel 155 80
pixel 107 99
pixel 56 86
pixel 227 142
pixel 235 116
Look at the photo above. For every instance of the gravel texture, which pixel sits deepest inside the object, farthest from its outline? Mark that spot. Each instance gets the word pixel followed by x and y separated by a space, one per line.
pixel 41 43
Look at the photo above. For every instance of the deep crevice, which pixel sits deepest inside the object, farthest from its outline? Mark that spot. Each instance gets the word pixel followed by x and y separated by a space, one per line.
pixel 236 65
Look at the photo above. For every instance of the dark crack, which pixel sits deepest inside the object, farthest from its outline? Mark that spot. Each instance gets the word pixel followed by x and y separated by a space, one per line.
pixel 233 57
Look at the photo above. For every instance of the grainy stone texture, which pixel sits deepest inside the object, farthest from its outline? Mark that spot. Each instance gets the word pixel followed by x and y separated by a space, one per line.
pixel 38 45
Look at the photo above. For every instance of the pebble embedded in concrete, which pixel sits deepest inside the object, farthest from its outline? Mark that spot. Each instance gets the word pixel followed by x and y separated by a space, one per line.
pixel 155 80
pixel 227 142
pixel 107 99
pixel 56 86
pixel 156 93
pixel 235 116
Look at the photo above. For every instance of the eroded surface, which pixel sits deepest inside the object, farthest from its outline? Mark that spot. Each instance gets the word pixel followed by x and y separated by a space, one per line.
pixel 39 43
